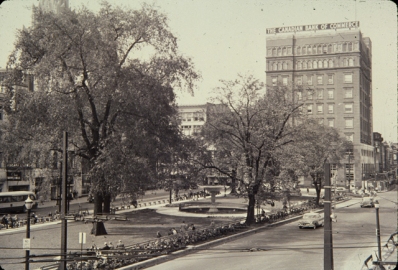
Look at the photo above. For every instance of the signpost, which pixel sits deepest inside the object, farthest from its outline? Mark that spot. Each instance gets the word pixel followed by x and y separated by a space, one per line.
pixel 82 240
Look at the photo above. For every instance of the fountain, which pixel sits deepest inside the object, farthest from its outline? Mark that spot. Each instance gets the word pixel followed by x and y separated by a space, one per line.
pixel 213 192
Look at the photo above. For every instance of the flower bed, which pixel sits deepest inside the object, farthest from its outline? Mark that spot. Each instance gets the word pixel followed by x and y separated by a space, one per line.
pixel 116 258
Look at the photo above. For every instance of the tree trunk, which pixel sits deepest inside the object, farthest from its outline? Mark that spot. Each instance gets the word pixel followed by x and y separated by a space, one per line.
pixel 107 204
pixel 233 182
pixel 250 209
pixel 97 203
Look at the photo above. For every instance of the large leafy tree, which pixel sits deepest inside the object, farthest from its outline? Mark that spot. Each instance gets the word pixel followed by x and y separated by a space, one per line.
pixel 106 78
pixel 252 130
pixel 321 144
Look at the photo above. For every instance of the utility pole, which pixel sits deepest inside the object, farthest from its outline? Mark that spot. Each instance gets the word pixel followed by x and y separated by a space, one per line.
pixel 64 233
pixel 328 237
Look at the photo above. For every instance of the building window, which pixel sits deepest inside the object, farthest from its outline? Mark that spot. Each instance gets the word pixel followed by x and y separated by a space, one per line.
pixel 285 80
pixel 330 63
pixel 279 66
pixel 319 63
pixel 279 52
pixel 348 108
pixel 330 48
pixel 339 48
pixel 350 62
pixel 319 79
pixel 315 65
pixel 348 92
pixel 289 50
pixel 330 93
pixel 349 122
pixel 319 94
pixel 347 78
pixel 344 47
pixel 284 51
pixel 331 122
pixel 299 65
pixel 310 49
pixel 334 47
pixel 345 62
pixel 299 95
pixel 309 94
pixel 319 49
pixel 298 50
pixel 349 47
pixel 284 65
pixel 309 64
pixel 330 78
pixel 274 52
pixel 349 172
pixel 330 108
pixel 309 79
pixel 274 81
pixel 304 65
pixel 325 63
pixel 309 109
pixel 299 80
pixel 320 108
pixel 274 67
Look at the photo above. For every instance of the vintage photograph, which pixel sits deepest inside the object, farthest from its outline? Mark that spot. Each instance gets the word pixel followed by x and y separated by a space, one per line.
pixel 198 134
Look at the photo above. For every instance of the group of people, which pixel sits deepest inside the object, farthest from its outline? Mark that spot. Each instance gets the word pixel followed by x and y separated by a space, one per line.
pixel 9 221
pixel 107 246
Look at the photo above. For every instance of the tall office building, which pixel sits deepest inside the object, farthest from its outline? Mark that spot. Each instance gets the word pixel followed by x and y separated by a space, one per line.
pixel 332 63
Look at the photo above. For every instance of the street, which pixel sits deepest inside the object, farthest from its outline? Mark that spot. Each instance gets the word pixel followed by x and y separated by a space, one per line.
pixel 288 247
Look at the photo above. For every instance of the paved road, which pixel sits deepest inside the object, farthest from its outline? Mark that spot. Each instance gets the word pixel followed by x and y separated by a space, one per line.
pixel 287 247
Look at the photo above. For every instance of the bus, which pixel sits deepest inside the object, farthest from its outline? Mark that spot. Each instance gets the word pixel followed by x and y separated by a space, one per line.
pixel 14 201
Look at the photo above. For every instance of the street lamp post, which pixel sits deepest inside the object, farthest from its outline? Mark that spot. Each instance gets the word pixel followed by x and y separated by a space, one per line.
pixel 28 205
pixel 377 206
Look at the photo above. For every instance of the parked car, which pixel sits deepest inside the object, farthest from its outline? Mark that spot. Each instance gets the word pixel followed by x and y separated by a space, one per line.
pixel 367 202
pixel 311 220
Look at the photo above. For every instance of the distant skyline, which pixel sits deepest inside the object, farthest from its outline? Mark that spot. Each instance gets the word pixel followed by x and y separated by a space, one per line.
pixel 225 38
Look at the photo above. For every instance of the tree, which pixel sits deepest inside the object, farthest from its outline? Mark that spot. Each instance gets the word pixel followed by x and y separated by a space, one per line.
pixel 252 130
pixel 106 78
pixel 322 144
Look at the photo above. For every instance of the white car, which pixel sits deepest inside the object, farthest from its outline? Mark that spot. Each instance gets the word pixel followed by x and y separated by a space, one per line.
pixel 311 220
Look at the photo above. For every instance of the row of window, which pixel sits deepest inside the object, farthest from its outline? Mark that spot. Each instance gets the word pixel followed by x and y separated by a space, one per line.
pixel 348 123
pixel 314 49
pixel 310 64
pixel 366 153
pixel 319 94
pixel 309 79
pixel 192 116
pixel 348 108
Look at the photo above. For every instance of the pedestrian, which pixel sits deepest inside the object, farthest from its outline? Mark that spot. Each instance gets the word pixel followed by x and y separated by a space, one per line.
pixel 308 190
pixel 111 245
pixel 158 235
pixel 120 245
pixel 105 247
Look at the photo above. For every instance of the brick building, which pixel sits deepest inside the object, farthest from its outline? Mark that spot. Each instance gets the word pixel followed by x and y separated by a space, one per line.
pixel 332 64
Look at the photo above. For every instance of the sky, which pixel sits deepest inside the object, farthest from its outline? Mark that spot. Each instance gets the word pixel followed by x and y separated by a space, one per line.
pixel 225 38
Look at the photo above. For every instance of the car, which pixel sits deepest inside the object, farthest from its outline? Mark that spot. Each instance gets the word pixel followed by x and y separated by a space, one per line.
pixel 367 202
pixel 311 220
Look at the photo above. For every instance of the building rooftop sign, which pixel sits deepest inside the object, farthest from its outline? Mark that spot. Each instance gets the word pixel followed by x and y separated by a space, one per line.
pixel 312 27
